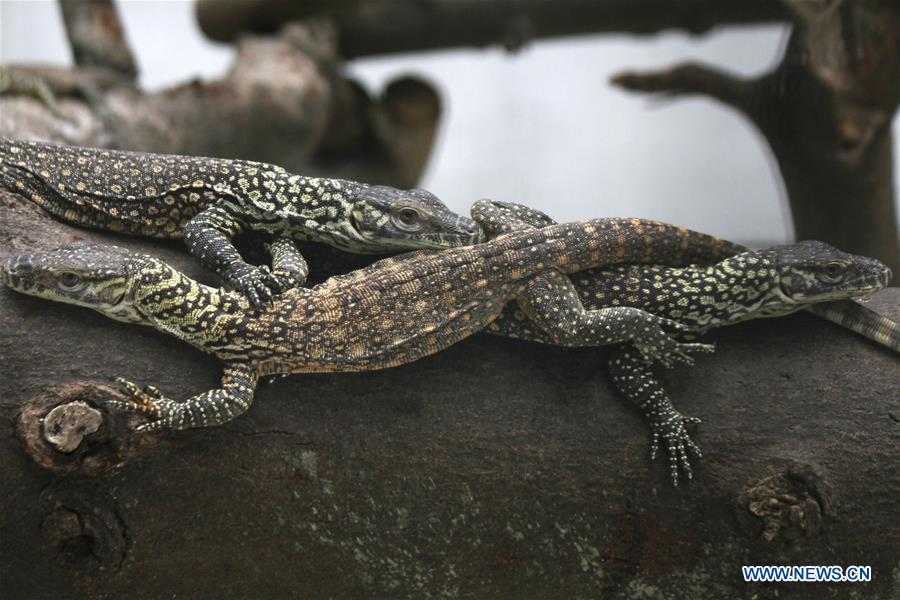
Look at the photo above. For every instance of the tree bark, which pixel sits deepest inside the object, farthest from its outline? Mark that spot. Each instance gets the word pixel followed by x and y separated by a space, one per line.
pixel 826 113
pixel 385 26
pixel 494 469
pixel 97 38
pixel 284 101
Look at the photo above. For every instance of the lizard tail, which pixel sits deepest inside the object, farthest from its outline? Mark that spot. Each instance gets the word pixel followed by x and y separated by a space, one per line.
pixel 862 320
pixel 25 184
pixel 598 242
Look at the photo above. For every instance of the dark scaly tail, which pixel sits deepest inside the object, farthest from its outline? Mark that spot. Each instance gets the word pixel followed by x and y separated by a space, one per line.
pixel 861 320
pixel 23 181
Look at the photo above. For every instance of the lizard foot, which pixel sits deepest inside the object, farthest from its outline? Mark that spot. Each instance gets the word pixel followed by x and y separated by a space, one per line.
pixel 668 427
pixel 289 279
pixel 655 345
pixel 147 400
pixel 258 284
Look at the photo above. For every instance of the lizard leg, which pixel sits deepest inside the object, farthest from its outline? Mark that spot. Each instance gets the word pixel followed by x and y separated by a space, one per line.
pixel 503 217
pixel 551 301
pixel 208 236
pixel 203 410
pixel 631 375
pixel 288 265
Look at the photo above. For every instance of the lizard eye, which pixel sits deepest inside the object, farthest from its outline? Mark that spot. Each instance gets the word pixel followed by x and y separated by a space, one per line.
pixel 408 219
pixel 831 273
pixel 69 280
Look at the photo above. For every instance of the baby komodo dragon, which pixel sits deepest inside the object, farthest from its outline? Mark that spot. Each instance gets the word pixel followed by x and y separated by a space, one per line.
pixel 390 313
pixel 406 307
pixel 209 201
pixel 751 284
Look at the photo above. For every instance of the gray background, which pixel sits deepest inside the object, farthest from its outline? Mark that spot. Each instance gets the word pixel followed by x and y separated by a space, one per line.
pixel 541 126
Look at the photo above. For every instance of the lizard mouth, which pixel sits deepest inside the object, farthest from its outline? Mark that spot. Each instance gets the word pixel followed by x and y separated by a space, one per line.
pixel 784 295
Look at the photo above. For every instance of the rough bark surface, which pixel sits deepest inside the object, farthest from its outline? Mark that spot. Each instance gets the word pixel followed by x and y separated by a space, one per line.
pixel 826 112
pixel 284 101
pixel 96 37
pixel 493 469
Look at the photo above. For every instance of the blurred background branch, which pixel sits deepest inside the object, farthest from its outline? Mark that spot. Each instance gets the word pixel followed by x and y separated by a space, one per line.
pixel 826 112
pixel 386 26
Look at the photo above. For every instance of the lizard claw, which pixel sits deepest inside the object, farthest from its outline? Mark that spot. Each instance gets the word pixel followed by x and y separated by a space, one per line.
pixel 678 326
pixel 157 425
pixel 658 346
pixel 258 284
pixel 680 354
pixel 288 279
pixel 147 400
pixel 668 427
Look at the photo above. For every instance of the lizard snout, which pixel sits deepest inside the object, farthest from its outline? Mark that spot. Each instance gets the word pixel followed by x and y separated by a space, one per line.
pixel 471 228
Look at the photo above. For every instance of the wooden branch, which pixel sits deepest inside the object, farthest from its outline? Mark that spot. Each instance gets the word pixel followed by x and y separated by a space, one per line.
pixel 826 112
pixel 690 79
pixel 97 38
pixel 284 101
pixel 493 469
pixel 384 26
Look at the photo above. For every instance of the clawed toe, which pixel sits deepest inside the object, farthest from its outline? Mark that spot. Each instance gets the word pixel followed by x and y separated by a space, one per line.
pixel 148 400
pixel 150 427
pixel 678 446
pixel 258 284
pixel 698 347
pixel 673 324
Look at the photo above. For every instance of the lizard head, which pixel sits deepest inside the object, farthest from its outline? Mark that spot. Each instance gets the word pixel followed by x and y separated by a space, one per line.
pixel 90 275
pixel 387 218
pixel 810 272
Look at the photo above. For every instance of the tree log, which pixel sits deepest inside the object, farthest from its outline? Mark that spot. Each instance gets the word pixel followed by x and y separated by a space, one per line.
pixel 284 101
pixel 97 38
pixel 826 113
pixel 494 469
pixel 385 26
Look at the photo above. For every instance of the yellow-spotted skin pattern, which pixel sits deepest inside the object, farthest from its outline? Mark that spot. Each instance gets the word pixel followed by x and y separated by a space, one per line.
pixel 409 306
pixel 390 313
pixel 745 285
pixel 209 201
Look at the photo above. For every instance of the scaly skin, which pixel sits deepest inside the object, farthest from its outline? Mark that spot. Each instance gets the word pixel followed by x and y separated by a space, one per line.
pixel 208 201
pixel 403 308
pixel 748 285
pixel 390 313
pixel 636 286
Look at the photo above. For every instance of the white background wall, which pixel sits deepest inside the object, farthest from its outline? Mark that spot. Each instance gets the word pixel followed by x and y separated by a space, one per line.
pixel 542 126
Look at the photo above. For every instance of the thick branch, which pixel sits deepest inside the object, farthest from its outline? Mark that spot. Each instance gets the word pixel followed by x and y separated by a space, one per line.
pixel 826 112
pixel 97 37
pixel 283 101
pixel 689 79
pixel 384 26
pixel 516 465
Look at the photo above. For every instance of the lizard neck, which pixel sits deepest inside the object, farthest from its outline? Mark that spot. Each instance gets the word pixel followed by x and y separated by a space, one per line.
pixel 173 303
pixel 316 209
pixel 742 287
pixel 341 229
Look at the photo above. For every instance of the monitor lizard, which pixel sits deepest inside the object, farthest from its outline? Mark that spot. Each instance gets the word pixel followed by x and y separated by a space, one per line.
pixel 597 287
pixel 132 193
pixel 208 201
pixel 401 309
pixel 752 284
